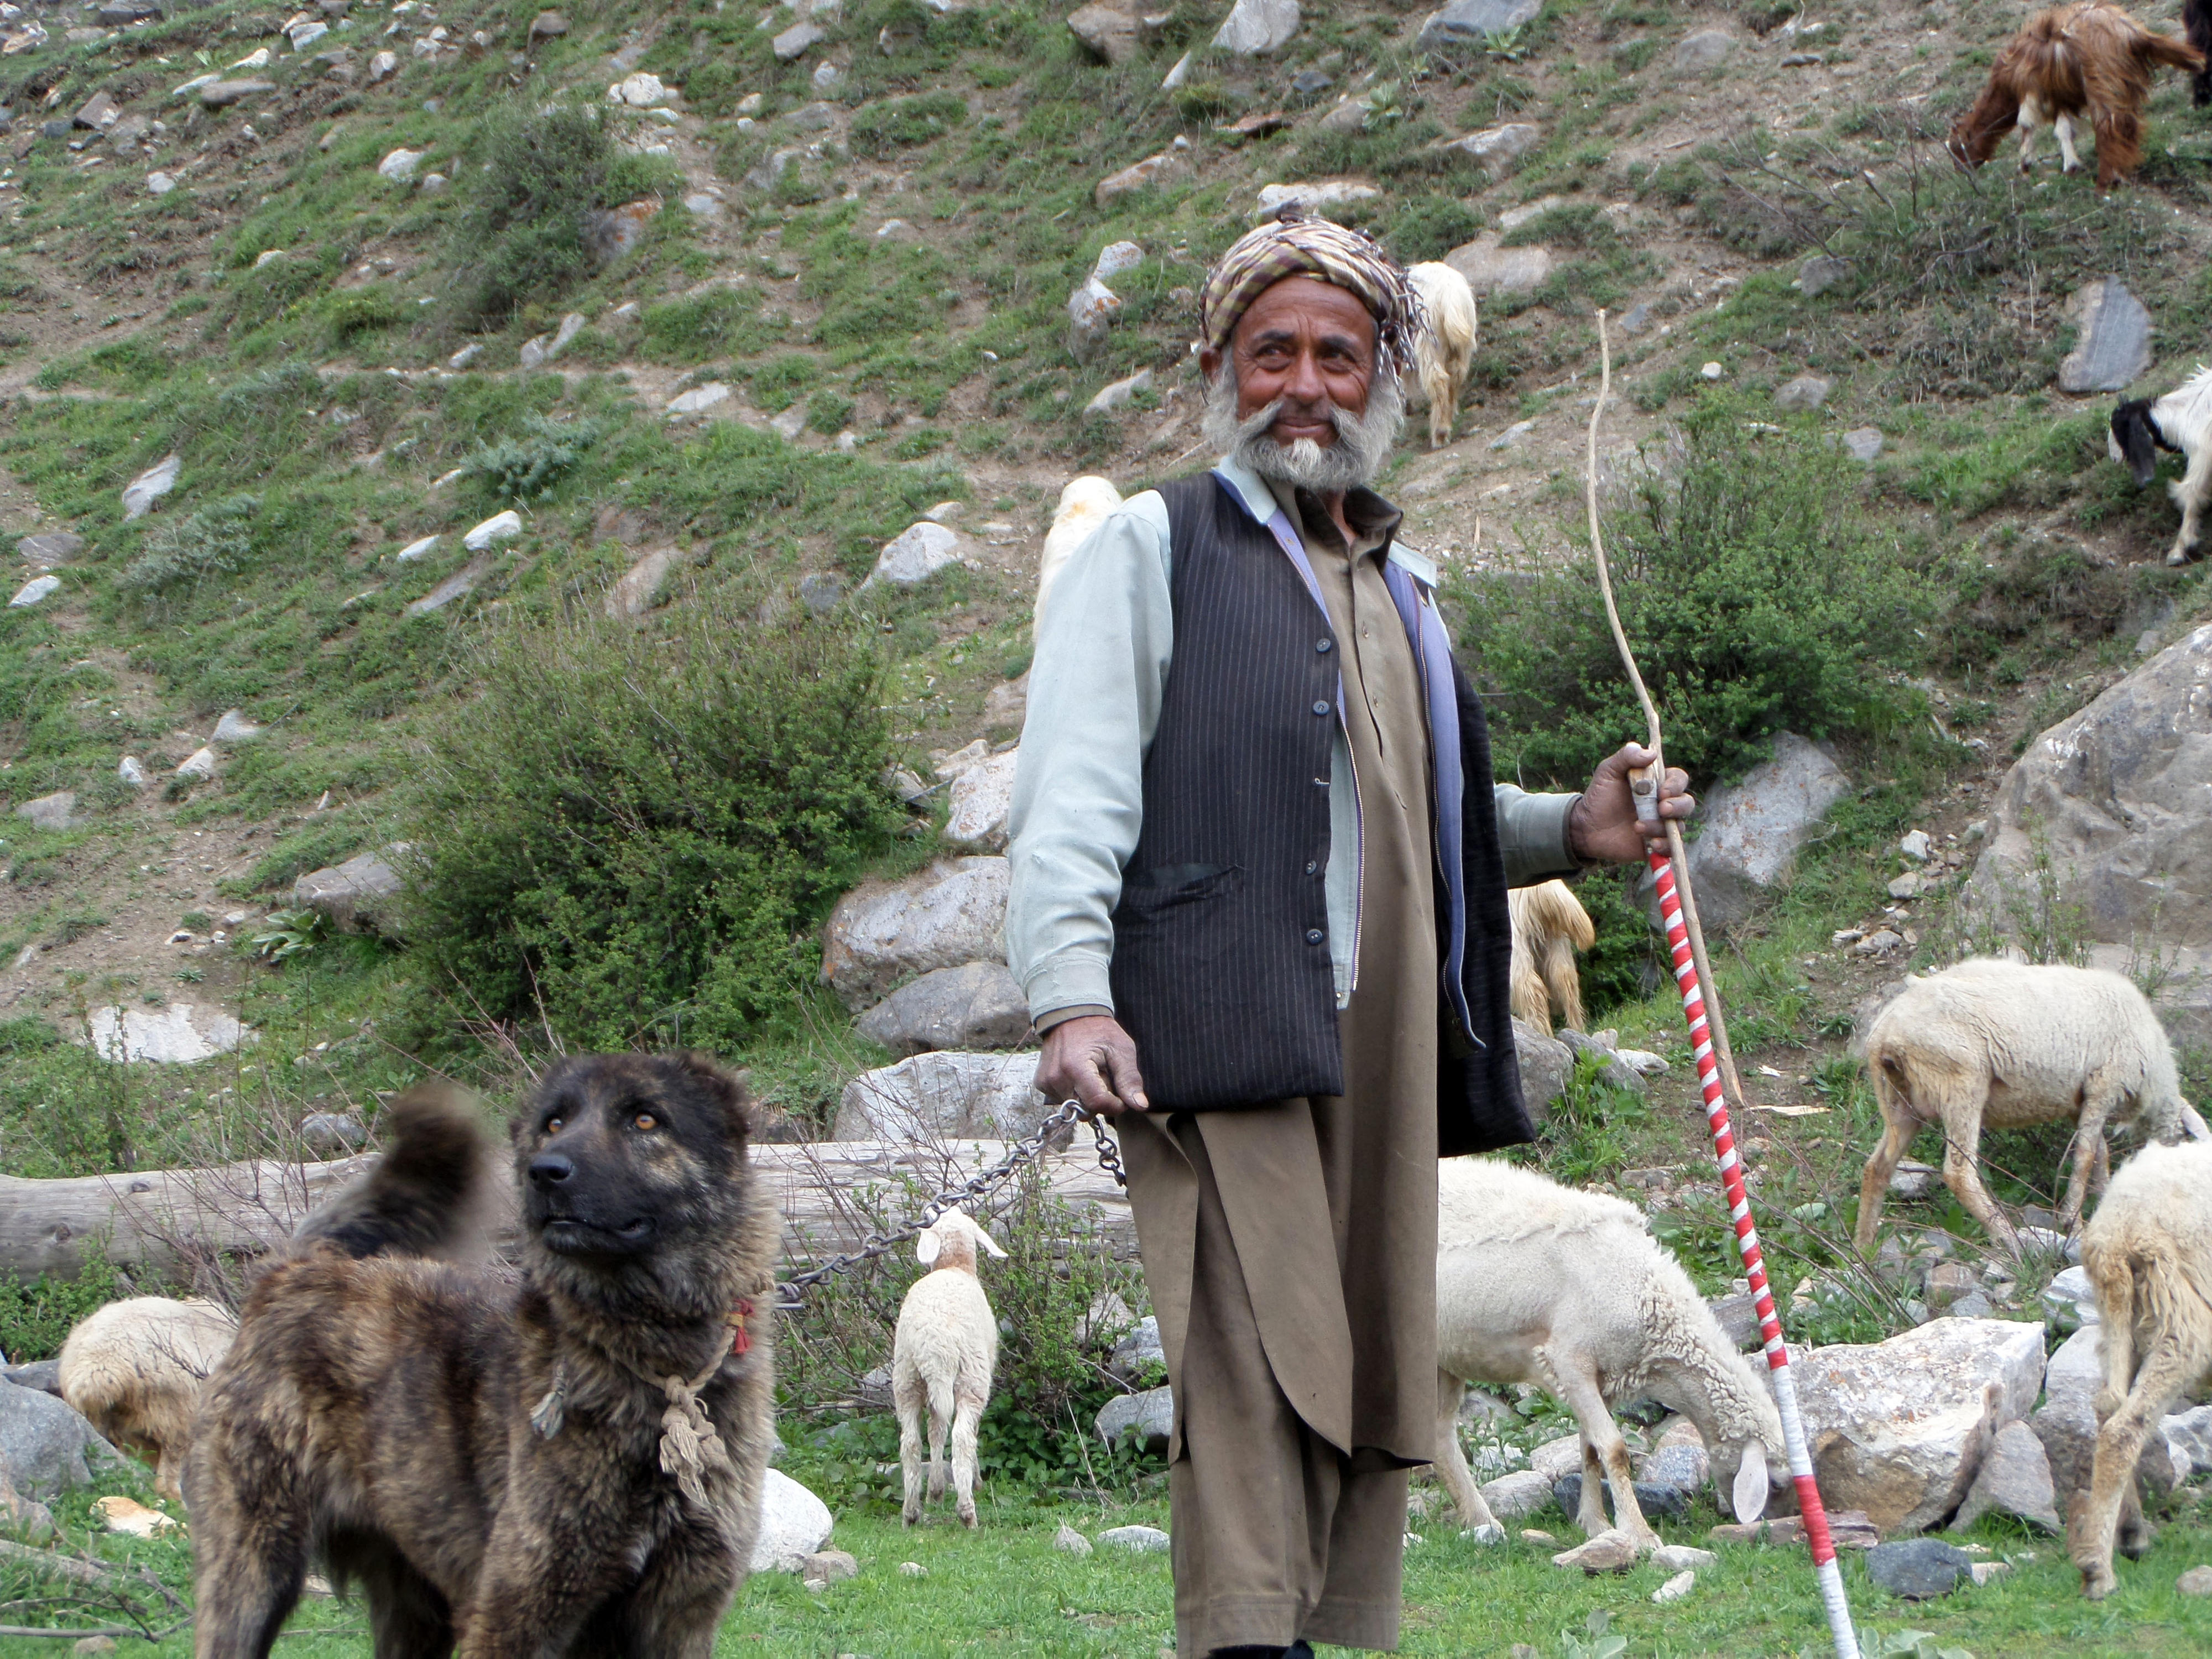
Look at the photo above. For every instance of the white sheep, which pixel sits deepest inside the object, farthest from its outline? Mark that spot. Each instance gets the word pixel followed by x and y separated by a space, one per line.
pixel 2148 1251
pixel 1568 1291
pixel 1084 506
pixel 2004 1045
pixel 1549 926
pixel 2180 422
pixel 1445 347
pixel 942 1357
pixel 134 1369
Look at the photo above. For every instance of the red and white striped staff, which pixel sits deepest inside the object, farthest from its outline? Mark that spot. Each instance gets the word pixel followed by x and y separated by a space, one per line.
pixel 1678 907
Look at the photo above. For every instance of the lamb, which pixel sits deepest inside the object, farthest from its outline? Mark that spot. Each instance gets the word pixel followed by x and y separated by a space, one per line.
pixel 2008 1044
pixel 136 1368
pixel 1549 926
pixel 2089 56
pixel 2181 422
pixel 942 1357
pixel 1445 346
pixel 1084 506
pixel 1538 1283
pixel 2148 1251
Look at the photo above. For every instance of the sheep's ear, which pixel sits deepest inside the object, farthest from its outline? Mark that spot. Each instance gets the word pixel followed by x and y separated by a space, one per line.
pixel 2192 1125
pixel 925 1247
pixel 1750 1495
pixel 988 1242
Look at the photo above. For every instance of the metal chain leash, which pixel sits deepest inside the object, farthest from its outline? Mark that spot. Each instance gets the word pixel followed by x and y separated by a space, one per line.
pixel 1022 1151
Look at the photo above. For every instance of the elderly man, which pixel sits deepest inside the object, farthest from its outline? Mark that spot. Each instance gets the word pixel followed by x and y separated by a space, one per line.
pixel 1259 911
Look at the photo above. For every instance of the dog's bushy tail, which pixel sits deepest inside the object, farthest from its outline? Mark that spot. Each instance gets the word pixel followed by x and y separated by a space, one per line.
pixel 427 1189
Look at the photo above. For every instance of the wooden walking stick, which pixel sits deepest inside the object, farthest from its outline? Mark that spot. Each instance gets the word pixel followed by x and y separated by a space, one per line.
pixel 1717 1072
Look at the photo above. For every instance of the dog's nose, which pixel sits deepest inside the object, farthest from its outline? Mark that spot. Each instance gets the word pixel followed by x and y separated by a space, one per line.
pixel 550 1169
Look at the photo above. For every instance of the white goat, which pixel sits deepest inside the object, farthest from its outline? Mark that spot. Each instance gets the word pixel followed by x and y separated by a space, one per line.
pixel 942 1358
pixel 2148 1251
pixel 2180 422
pixel 2005 1044
pixel 1084 506
pixel 1538 1283
pixel 1446 346
pixel 1549 926
pixel 134 1369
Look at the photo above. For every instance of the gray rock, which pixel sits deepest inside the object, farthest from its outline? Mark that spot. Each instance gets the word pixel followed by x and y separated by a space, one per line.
pixel 1862 443
pixel 2066 1421
pixel 1494 149
pixel 1681 1557
pixel 359 896
pixel 1618 1073
pixel 149 486
pixel 1310 84
pixel 1820 273
pixel 33 1523
pixel 2192 1431
pixel 1947 1282
pixel 2113 348
pixel 1752 830
pixel 1517 1496
pixel 45 1448
pixel 1139 1347
pixel 797 41
pixel 234 727
pixel 33 591
pixel 51 546
pixel 637 587
pixel 942 1094
pixel 1108 33
pixel 2115 796
pixel 1738 1314
pixel 547 26
pixel 54 811
pixel 827 1567
pixel 1919 1568
pixel 882 934
pixel 794 1524
pixel 1912 1181
pixel 2070 1296
pixel 180 1034
pixel 1149 1415
pixel 914 555
pixel 1092 309
pixel 698 400
pixel 44 1375
pixel 976 1005
pixel 2014 1478
pixel 1654 1501
pixel 1636 319
pixel 1491 271
pixel 1007 703
pixel 1545 1065
pixel 1313 195
pixel 1152 170
pixel 1143 1540
pixel 461 583
pixel 817 117
pixel 1899 1428
pixel 2197 1580
pixel 1805 392
pixel 1708 49
pixel 821 592
pixel 331 1134
pixel 1068 1542
pixel 1254 28
pixel 1471 22
pixel 1972 1305
pixel 1119 392
pixel 221 95
pixel 1681 1470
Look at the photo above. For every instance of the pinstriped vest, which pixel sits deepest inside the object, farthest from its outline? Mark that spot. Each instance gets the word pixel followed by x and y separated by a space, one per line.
pixel 1221 970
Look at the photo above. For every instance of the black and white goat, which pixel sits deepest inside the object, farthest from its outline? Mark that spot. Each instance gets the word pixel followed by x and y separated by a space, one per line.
pixel 2180 422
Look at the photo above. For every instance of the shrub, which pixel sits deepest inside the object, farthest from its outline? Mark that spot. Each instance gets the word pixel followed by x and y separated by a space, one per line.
pixel 1753 590
pixel 880 131
pixel 525 468
pixel 701 327
pixel 1430 227
pixel 36 1318
pixel 633 835
pixel 214 541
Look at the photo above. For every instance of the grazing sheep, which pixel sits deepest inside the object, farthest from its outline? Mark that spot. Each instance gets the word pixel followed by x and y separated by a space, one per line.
pixel 942 1357
pixel 1538 1283
pixel 1446 344
pixel 1549 926
pixel 1084 506
pixel 2089 57
pixel 136 1368
pixel 2006 1044
pixel 2180 422
pixel 2148 1251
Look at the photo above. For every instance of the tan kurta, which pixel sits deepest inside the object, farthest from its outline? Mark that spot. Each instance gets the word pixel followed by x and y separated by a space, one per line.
pixel 1291 1248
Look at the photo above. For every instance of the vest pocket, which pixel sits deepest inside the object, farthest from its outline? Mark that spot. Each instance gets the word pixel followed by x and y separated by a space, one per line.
pixel 1150 891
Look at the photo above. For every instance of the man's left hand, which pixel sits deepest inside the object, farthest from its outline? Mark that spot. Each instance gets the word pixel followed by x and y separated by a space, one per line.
pixel 1603 828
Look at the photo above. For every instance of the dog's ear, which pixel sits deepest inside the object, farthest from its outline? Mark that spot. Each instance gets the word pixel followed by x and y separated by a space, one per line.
pixel 925 1247
pixel 726 1087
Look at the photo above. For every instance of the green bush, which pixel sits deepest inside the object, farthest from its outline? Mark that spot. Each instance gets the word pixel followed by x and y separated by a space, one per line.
pixel 880 131
pixel 635 834
pixel 1754 591
pixel 525 468
pixel 36 1318
pixel 214 541
pixel 1430 227
pixel 701 327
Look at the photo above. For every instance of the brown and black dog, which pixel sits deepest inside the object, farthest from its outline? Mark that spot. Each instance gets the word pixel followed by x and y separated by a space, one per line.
pixel 570 1465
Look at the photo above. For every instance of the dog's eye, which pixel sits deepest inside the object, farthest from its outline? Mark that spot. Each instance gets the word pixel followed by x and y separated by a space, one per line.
pixel 644 1121
pixel 553 1125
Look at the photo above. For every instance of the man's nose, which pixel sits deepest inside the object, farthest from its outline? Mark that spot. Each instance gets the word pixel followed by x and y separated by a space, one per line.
pixel 1304 384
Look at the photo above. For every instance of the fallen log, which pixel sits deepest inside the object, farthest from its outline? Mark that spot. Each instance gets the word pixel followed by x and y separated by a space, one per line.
pixel 165 1222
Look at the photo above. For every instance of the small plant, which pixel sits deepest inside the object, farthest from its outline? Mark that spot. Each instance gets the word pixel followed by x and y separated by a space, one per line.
pixel 525 468
pixel 1909 1644
pixel 190 976
pixel 196 921
pixel 37 1317
pixel 289 933
pixel 1597 1640
pixel 214 541
pixel 881 130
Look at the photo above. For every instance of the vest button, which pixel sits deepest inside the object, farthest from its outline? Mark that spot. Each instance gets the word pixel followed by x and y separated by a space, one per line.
pixel 1314 936
pixel 1320 708
pixel 1311 866
pixel 1321 646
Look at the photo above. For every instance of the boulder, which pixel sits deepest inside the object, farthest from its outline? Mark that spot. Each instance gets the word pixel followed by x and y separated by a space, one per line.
pixel 1007 703
pixel 1546 1064
pixel 1113 259
pixel 1653 1500
pixel 1517 1496
pixel 794 1524
pixel 914 555
pixel 821 592
pixel 1805 392
pixel 1119 393
pixel 698 400
pixel 1820 273
pixel 181 1034
pixel 500 527
pixel 1555 1459
pixel 1752 830
pixel 548 26
pixel 2119 797
pixel 1919 1568
pixel 234 727
pixel 1708 49
pixel 1611 1551
pixel 1150 1414
pixel 1862 443
pixel 977 1005
pixel 2112 347
pixel 44 1375
pixel 1683 1558
pixel 1312 195
pixel 634 591
pixel 1472 22
pixel 982 798
pixel 2197 1580
pixel 1491 270
pixel 1152 170
pixel 797 41
pixel 2192 1431
pixel 827 1567
pixel 1140 1347
pixel 1494 149
pixel 1068 1542
pixel 2016 1479
pixel 461 583
pixel 1108 33
pixel 45 1448
pixel 945 1094
pixel 399 165
pixel 1681 1470
pixel 883 934
pixel 221 95
pixel 51 546
pixel 33 591
pixel 1092 309
pixel 2066 1421
pixel 200 763
pixel 1254 28
pixel 54 811
pixel 1898 1429
pixel 1142 1540
pixel 149 486
pixel 359 896
pixel 331 1134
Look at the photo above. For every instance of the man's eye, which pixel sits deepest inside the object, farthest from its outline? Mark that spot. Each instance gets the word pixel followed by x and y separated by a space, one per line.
pixel 644 1121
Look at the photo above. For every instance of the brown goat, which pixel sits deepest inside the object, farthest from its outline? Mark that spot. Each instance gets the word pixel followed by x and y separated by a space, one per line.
pixel 2090 58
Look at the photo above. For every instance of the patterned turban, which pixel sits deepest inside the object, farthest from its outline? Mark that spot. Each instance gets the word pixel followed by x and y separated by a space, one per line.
pixel 1291 244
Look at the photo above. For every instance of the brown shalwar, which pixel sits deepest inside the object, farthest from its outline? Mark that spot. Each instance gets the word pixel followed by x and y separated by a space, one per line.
pixel 1290 1247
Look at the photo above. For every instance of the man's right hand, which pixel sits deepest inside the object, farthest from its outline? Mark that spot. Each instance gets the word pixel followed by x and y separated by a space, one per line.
pixel 1092 1059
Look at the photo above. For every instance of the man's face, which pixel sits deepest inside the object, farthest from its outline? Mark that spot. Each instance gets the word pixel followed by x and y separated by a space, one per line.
pixel 1309 343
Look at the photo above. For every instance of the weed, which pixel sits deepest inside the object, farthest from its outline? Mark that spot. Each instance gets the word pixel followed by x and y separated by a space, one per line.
pixel 525 468
pixel 1429 227
pixel 881 131
pixel 212 542
pixel 36 1318
pixel 287 933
